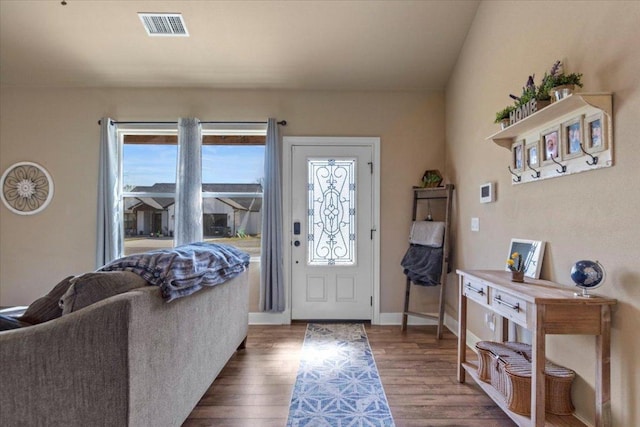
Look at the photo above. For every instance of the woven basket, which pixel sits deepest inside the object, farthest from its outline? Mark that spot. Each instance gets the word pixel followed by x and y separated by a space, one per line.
pixel 507 366
pixel 493 358
pixel 557 385
pixel 489 353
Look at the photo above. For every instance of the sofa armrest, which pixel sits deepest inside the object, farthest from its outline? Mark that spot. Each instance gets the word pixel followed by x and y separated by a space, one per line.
pixel 178 348
pixel 72 371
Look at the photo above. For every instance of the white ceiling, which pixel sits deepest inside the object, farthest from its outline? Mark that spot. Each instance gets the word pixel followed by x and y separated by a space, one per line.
pixel 323 45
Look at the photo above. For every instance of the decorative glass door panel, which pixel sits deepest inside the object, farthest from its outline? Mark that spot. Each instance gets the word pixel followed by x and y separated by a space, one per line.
pixel 331 207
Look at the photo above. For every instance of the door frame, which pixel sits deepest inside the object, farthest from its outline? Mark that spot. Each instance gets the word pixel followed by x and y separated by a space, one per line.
pixel 288 142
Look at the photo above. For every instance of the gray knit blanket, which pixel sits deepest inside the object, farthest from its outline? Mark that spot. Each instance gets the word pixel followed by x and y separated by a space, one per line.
pixel 423 265
pixel 186 269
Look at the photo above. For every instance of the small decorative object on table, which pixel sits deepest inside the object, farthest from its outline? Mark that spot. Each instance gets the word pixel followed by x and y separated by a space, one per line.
pixel 516 266
pixel 587 275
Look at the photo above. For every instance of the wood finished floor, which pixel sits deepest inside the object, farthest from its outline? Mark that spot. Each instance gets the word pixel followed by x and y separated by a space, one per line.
pixel 418 374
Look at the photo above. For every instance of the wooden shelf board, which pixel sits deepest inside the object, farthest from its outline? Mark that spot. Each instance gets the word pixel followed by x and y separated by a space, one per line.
pixel 550 419
pixel 505 137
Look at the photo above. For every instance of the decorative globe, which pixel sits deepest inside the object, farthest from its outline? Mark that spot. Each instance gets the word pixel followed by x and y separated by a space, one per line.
pixel 587 275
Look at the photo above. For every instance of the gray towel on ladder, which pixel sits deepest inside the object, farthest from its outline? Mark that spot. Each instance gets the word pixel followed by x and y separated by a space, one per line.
pixel 423 265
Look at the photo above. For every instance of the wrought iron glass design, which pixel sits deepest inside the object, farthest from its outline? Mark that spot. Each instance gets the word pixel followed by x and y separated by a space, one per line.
pixel 331 212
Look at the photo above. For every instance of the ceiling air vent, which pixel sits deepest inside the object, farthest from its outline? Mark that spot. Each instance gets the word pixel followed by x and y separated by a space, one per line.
pixel 164 24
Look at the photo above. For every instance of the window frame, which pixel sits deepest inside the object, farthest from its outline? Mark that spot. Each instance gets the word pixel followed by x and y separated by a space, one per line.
pixel 250 130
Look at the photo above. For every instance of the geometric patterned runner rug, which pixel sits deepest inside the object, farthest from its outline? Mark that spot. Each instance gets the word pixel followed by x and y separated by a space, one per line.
pixel 338 383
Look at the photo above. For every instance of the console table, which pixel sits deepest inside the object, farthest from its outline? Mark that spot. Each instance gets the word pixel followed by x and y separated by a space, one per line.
pixel 542 307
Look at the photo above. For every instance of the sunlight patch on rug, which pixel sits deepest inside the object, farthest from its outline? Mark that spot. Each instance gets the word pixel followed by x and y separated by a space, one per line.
pixel 338 383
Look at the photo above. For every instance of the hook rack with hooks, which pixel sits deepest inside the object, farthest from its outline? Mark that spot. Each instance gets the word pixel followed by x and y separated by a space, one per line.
pixel 594 159
pixel 537 175
pixel 518 177
pixel 563 167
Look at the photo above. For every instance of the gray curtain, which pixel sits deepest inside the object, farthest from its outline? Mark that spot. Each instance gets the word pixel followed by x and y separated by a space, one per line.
pixel 188 214
pixel 272 296
pixel 110 225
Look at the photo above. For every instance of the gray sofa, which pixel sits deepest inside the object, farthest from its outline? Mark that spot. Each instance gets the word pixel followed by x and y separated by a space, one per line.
pixel 129 360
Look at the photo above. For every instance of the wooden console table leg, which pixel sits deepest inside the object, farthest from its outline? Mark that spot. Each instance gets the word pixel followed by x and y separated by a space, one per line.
pixel 462 331
pixel 537 369
pixel 407 293
pixel 603 369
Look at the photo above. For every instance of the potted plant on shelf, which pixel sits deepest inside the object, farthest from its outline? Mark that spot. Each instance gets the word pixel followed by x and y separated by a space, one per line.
pixel 531 91
pixel 558 84
pixel 431 179
pixel 502 116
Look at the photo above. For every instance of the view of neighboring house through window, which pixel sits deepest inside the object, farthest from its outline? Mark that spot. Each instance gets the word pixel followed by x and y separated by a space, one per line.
pixel 232 177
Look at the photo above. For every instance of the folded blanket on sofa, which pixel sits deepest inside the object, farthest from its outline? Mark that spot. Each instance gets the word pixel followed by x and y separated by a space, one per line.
pixel 423 265
pixel 186 269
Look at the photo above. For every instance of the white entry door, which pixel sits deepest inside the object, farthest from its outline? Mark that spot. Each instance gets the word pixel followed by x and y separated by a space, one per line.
pixel 332 232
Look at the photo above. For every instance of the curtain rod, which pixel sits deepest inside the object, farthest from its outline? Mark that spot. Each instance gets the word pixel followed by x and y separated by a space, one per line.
pixel 282 122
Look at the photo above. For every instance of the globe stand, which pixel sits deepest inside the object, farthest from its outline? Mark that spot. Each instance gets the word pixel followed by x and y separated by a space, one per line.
pixel 587 275
pixel 585 294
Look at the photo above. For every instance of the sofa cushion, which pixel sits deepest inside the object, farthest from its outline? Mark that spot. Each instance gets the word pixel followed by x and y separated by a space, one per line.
pixel 93 287
pixel 46 308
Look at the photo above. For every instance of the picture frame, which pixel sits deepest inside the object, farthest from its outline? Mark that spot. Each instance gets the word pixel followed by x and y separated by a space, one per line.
pixel 595 133
pixel 572 138
pixel 550 141
pixel 532 252
pixel 517 156
pixel 532 154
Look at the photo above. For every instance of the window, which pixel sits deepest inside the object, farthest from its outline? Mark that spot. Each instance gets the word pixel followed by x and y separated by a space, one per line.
pixel 232 177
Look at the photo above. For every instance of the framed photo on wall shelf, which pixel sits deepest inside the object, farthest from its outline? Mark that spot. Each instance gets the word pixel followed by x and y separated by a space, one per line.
pixel 595 134
pixel 550 139
pixel 517 156
pixel 532 154
pixel 532 252
pixel 572 137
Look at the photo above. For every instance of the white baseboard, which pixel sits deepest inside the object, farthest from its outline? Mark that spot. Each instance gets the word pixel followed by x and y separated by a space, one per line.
pixel 396 319
pixel 451 323
pixel 263 318
pixel 266 318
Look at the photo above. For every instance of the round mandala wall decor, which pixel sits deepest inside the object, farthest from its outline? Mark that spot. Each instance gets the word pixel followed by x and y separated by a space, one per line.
pixel 27 188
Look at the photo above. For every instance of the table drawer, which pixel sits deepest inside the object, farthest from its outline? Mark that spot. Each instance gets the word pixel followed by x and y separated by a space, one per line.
pixel 509 306
pixel 476 290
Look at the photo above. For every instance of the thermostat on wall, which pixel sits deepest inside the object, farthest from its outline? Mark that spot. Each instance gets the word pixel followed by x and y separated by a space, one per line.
pixel 487 193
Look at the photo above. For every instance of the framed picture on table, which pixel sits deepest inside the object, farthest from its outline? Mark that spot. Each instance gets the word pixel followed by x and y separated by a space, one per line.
pixel 531 253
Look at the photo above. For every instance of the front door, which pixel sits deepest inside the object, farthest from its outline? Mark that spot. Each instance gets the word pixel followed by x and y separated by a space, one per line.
pixel 332 238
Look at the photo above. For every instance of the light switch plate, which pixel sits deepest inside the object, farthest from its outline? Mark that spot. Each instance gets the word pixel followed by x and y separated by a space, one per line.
pixel 475 224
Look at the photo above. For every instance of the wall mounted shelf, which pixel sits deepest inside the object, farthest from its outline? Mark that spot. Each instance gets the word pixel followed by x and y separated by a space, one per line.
pixel 529 132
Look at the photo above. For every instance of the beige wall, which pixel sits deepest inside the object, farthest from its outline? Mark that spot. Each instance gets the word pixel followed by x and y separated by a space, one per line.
pixel 591 215
pixel 57 128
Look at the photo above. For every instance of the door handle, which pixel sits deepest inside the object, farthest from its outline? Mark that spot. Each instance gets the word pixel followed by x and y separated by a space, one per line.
pixel 296 243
